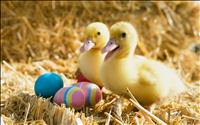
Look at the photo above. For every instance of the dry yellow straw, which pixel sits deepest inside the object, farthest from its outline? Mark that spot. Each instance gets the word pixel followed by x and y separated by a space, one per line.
pixel 146 116
pixel 18 73
pixel 41 68
pixel 143 110
pixel 115 119
pixel 139 107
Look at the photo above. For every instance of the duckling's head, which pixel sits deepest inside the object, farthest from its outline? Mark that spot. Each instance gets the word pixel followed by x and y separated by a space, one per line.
pixel 123 40
pixel 97 35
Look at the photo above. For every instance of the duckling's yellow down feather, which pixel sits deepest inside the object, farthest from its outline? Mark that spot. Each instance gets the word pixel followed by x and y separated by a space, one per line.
pixel 147 79
pixel 91 58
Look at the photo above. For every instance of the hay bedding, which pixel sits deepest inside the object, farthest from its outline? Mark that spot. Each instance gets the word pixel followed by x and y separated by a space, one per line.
pixel 46 35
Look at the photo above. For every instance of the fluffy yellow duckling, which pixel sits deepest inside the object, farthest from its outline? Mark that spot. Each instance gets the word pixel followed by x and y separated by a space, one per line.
pixel 148 80
pixel 91 57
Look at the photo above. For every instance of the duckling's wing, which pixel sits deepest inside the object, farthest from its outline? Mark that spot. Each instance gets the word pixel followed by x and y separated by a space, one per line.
pixel 145 72
pixel 150 72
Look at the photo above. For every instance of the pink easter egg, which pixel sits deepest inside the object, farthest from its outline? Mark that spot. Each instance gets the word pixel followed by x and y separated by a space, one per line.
pixel 92 92
pixel 71 96
pixel 59 96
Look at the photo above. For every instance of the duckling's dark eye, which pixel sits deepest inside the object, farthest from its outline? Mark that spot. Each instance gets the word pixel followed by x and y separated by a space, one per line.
pixel 98 33
pixel 123 35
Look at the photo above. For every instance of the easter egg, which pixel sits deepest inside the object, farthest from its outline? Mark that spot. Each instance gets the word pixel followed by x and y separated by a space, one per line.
pixel 81 78
pixel 59 96
pixel 48 84
pixel 92 92
pixel 70 96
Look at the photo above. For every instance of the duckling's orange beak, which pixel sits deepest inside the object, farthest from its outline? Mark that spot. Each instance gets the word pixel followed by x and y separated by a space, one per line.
pixel 110 46
pixel 87 45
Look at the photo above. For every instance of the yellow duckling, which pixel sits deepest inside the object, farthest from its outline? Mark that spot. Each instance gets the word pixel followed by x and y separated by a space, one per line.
pixel 91 58
pixel 148 80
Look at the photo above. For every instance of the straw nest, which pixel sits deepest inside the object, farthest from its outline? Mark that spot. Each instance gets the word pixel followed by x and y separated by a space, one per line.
pixel 46 35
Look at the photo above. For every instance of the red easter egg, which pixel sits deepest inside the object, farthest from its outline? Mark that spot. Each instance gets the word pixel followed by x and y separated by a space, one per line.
pixel 81 78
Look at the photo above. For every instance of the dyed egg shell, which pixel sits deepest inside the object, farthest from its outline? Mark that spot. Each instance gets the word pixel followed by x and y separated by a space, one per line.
pixel 92 92
pixel 59 96
pixel 48 84
pixel 81 78
pixel 71 96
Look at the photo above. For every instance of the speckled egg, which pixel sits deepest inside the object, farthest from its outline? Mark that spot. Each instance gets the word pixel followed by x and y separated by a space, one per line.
pixel 48 84
pixel 70 96
pixel 92 92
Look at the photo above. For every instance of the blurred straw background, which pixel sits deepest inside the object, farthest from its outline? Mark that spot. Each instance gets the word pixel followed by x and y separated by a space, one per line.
pixel 49 34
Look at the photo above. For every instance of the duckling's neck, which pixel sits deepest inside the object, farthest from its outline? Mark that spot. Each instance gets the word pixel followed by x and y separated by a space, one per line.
pixel 95 50
pixel 125 53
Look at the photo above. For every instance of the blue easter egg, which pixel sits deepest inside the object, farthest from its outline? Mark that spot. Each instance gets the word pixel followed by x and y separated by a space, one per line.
pixel 48 84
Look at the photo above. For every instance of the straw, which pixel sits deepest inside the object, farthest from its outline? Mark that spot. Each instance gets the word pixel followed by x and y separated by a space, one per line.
pixel 37 37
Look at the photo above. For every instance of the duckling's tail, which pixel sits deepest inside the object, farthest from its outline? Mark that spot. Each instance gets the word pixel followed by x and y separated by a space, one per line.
pixel 178 85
